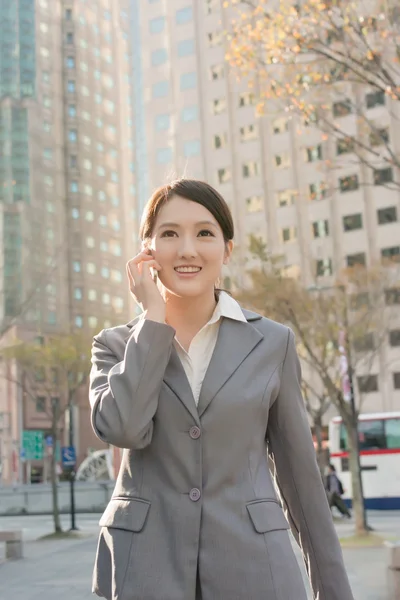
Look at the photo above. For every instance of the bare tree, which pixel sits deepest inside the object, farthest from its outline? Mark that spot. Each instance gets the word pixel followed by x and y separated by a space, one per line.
pixel 353 309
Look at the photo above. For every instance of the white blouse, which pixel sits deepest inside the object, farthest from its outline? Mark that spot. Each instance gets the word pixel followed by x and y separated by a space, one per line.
pixel 197 359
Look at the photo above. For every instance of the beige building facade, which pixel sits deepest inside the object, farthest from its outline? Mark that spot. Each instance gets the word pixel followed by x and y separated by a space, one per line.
pixel 194 118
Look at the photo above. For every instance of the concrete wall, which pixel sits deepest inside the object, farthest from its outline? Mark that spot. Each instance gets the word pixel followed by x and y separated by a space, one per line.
pixel 37 498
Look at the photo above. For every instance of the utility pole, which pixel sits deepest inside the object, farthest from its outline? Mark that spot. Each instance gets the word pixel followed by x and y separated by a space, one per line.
pixel 72 473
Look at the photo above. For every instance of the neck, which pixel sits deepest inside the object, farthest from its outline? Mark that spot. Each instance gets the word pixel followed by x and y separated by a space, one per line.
pixel 188 315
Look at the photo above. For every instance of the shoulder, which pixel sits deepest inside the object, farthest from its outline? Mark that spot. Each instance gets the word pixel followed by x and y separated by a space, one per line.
pixel 267 326
pixel 119 332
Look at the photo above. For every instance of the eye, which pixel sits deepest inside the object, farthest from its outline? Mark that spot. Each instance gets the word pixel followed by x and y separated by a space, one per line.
pixel 168 233
pixel 206 233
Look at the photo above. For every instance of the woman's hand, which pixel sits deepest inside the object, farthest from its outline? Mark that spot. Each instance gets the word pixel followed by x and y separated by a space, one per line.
pixel 143 287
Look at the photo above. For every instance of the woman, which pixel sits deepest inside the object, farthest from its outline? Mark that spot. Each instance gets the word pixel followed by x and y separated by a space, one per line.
pixel 195 390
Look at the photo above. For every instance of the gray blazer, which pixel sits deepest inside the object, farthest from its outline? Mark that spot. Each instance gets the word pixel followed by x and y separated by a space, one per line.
pixel 194 513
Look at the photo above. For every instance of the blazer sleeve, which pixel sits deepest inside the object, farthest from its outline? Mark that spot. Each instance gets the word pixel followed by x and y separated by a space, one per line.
pixel 124 394
pixel 300 484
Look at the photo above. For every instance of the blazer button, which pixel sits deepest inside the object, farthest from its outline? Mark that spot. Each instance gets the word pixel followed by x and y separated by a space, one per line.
pixel 194 432
pixel 194 495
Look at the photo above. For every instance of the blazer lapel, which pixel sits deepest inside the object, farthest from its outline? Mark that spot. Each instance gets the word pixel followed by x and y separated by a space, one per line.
pixel 236 340
pixel 175 378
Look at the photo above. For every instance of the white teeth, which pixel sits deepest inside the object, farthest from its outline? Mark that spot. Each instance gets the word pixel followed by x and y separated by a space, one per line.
pixel 187 269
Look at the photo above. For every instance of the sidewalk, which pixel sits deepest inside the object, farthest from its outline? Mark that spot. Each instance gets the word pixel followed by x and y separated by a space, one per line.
pixel 62 569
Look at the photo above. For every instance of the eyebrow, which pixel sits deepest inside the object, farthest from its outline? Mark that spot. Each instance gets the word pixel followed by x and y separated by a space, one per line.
pixel 177 224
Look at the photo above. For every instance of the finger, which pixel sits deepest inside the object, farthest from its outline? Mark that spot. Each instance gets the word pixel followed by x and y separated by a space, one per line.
pixel 142 256
pixel 133 273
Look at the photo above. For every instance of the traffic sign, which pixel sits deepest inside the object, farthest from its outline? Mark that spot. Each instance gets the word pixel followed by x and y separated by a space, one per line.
pixel 49 441
pixel 32 444
pixel 68 456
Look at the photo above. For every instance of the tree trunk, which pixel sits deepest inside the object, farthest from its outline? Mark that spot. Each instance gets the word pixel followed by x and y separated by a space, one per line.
pixel 320 450
pixel 356 479
pixel 53 477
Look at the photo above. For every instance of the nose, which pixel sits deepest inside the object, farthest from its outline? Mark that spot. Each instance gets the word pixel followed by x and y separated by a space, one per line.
pixel 187 248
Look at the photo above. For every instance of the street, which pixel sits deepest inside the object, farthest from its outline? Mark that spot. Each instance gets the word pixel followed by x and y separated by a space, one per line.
pixel 62 568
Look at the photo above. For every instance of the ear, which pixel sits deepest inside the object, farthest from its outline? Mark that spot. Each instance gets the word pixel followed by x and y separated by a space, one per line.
pixel 228 251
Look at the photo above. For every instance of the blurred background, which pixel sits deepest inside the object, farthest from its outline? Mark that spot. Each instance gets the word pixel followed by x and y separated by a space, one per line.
pixel 291 110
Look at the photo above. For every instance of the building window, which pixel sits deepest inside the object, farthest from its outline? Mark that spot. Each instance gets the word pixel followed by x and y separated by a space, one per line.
pixel 254 204
pixel 70 38
pixel 280 125
pixel 106 298
pixel 190 113
pixel 184 15
pixel 41 404
pixel 157 25
pixel 286 197
pixel 324 267
pixel 246 99
pixel 163 122
pixel 320 228
pixel 379 137
pixel 317 191
pixel 72 110
pixel 91 268
pixel 387 215
pixel 48 154
pixel 356 260
pixel 248 133
pixel 159 57
pixel 105 272
pixel 220 141
pixel 73 186
pixel 76 266
pixel 396 380
pixel 191 148
pixel 71 86
pixel 186 48
pixel 219 106
pixel 394 338
pixel 68 14
pixel 90 215
pixel 282 161
pixel 288 234
pixel 250 169
pixel 211 6
pixel 313 153
pixel 382 176
pixel 164 155
pixel 92 295
pixel 224 175
pixel 349 183
pixel 214 39
pixel 342 109
pixel 392 296
pixel 188 81
pixel 75 213
pixel 392 253
pixel 375 99
pixel 160 89
pixel 78 294
pixel 217 72
pixel 367 383
pixel 78 321
pixel 344 146
pixel 73 135
pixel 70 62
pixel 352 222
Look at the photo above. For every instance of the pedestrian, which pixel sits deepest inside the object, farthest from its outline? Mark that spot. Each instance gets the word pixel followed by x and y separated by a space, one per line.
pixel 196 389
pixel 335 491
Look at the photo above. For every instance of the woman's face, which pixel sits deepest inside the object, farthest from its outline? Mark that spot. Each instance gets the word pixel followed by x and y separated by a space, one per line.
pixel 188 243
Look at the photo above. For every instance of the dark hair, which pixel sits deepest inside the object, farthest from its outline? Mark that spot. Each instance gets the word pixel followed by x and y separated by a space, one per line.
pixel 332 468
pixel 195 191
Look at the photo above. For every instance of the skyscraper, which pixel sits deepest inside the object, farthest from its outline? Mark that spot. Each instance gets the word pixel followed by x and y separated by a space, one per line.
pixel 197 119
pixel 67 206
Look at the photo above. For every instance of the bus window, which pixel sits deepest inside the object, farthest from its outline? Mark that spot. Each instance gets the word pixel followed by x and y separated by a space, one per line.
pixel 392 427
pixel 371 435
pixel 343 438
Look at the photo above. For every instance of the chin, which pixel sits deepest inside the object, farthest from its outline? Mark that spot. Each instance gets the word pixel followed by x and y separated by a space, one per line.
pixel 188 289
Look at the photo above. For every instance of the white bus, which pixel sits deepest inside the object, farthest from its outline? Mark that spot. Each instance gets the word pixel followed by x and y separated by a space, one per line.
pixel 379 439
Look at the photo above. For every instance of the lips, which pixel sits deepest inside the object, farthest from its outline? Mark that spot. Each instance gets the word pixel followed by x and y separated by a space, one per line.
pixel 188 269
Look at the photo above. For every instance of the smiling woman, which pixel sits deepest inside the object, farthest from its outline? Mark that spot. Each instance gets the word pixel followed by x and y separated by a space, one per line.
pixel 196 390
